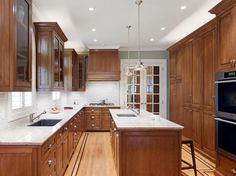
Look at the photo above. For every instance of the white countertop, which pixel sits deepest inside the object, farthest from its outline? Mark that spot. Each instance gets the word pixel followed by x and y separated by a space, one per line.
pixel 19 133
pixel 145 120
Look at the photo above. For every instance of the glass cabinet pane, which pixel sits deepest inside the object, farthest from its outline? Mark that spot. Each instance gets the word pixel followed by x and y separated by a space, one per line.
pixel 22 51
pixel 61 66
pixel 56 62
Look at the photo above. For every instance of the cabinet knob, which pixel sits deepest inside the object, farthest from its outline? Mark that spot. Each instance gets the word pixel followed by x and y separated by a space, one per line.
pixel 92 109
pixel 92 117
pixel 233 171
pixel 49 163
pixel 75 126
pixel 93 125
pixel 114 129
pixel 49 146
pixel 60 134
pixel 66 128
pixel 117 135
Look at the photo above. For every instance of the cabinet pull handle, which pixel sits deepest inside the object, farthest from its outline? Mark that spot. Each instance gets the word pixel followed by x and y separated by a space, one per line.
pixel 233 171
pixel 49 163
pixel 49 146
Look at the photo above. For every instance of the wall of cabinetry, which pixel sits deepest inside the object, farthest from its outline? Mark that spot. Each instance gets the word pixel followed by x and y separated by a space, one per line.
pixel 192 86
pixel 16 45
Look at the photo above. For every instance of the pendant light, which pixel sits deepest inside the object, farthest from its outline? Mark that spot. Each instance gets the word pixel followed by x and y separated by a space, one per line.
pixel 128 68
pixel 139 66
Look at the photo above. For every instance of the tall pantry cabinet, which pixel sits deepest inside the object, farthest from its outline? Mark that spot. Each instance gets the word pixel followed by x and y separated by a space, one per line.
pixel 192 98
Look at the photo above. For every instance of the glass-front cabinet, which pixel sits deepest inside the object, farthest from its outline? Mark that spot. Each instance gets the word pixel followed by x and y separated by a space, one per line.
pixel 50 56
pixel 15 46
pixel 143 89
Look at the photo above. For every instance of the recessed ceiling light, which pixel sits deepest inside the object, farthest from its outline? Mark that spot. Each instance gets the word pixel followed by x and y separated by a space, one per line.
pixel 163 28
pixel 95 40
pixel 152 39
pixel 91 9
pixel 94 30
pixel 183 7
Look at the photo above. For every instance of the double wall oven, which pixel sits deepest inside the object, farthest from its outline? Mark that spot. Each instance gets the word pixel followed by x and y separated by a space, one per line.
pixel 225 86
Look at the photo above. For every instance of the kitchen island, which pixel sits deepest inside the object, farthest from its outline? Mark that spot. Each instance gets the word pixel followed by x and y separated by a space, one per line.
pixel 145 145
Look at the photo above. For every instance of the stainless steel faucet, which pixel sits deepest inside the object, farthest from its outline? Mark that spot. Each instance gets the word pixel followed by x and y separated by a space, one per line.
pixel 32 118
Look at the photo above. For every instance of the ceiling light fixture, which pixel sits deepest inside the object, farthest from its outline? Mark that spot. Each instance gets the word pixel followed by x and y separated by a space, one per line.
pixel 163 28
pixel 152 39
pixel 128 68
pixel 95 40
pixel 183 7
pixel 91 9
pixel 94 30
pixel 139 66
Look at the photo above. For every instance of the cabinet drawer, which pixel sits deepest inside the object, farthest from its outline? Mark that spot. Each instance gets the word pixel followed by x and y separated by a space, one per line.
pixel 227 165
pixel 93 117
pixel 48 146
pixel 93 110
pixel 93 125
pixel 49 165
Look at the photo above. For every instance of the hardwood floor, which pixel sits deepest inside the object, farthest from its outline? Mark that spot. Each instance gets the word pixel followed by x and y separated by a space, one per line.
pixel 93 157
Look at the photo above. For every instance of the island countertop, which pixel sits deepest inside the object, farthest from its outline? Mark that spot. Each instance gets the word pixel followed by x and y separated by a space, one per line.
pixel 145 120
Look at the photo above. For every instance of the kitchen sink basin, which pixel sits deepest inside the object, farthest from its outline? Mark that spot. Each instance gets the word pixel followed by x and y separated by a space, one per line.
pixel 46 122
pixel 126 115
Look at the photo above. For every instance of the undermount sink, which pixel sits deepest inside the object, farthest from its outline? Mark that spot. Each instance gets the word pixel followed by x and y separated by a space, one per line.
pixel 126 115
pixel 46 122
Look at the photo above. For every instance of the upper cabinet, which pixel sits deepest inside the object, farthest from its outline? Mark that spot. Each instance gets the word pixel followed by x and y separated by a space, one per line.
pixel 15 46
pixel 103 65
pixel 50 56
pixel 74 70
pixel 226 34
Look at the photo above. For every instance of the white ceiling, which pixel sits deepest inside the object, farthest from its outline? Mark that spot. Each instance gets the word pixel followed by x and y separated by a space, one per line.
pixel 111 16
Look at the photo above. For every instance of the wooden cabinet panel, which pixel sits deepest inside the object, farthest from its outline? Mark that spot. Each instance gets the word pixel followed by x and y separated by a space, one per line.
pixel 208 141
pixel 208 56
pixel 197 76
pixel 187 74
pixel 179 63
pixel 173 65
pixel 188 122
pixel 197 127
pixel 173 104
pixel 225 165
pixel 179 103
pixel 103 65
pixel 226 35
pixel 49 56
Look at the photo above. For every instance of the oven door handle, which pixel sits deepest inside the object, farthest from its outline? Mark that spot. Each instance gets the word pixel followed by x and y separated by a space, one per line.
pixel 226 121
pixel 227 81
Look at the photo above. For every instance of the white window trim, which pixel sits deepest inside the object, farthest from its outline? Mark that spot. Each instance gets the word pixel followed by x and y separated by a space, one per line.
pixel 162 63
pixel 14 114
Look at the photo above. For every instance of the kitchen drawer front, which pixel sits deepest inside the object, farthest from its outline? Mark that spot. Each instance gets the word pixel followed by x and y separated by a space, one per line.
pixel 93 110
pixel 48 146
pixel 93 125
pixel 227 165
pixel 49 165
pixel 93 117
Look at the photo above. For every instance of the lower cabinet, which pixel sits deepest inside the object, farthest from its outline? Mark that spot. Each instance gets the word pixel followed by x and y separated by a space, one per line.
pixel 98 118
pixel 49 159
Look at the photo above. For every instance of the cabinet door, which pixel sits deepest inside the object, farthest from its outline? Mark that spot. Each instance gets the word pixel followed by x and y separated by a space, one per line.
pixel 179 102
pixel 59 155
pixel 208 140
pixel 197 127
pixel 197 77
pixel 225 40
pixel 23 45
pixel 5 46
pixel 173 110
pixel 187 74
pixel 173 65
pixel 65 151
pixel 179 63
pixel 208 55
pixel 188 122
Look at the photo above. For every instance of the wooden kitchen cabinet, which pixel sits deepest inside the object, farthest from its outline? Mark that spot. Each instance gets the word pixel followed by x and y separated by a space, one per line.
pixel 71 70
pixel 192 95
pixel 50 56
pixel 83 59
pixel 16 45
pixel 98 118
pixel 103 65
pixel 226 34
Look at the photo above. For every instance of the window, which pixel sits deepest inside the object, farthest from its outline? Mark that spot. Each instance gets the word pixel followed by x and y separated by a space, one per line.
pixel 21 100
